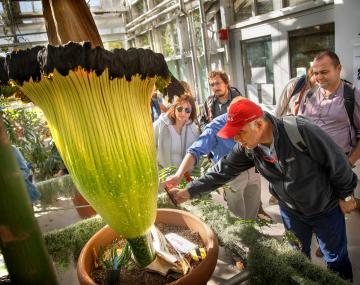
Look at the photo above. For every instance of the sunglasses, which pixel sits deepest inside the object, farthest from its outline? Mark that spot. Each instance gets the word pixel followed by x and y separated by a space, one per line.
pixel 180 109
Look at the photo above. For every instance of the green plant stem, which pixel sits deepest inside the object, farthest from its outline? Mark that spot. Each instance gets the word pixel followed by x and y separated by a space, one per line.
pixel 21 243
pixel 142 249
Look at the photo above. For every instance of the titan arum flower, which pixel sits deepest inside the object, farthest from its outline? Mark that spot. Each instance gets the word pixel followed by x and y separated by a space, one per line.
pixel 97 104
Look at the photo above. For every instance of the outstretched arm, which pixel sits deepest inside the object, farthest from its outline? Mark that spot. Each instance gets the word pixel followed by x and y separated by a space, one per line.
pixel 186 165
pixel 224 171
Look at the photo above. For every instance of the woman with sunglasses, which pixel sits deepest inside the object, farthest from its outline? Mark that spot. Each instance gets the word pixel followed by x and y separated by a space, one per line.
pixel 175 131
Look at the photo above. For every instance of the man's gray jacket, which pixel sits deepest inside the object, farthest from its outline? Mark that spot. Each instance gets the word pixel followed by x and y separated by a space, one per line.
pixel 309 183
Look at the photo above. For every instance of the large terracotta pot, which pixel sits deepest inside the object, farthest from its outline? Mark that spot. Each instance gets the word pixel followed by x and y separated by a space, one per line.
pixel 84 212
pixel 199 275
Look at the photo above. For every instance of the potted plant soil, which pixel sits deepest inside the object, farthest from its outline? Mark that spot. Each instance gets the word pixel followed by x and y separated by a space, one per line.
pixel 198 275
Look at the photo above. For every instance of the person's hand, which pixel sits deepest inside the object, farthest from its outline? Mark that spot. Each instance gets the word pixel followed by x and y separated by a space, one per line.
pixel 172 181
pixel 352 162
pixel 179 195
pixel 353 158
pixel 347 207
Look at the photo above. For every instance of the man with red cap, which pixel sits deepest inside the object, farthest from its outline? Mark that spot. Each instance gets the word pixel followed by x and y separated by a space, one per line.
pixel 310 185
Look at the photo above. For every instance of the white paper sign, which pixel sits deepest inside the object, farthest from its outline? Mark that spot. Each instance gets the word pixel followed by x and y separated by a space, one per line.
pixel 181 244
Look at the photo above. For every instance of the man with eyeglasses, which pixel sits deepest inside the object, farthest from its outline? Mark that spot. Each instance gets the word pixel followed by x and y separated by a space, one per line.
pixel 222 95
pixel 310 186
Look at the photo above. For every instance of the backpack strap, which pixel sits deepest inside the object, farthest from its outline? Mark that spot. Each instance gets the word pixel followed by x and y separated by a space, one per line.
pixel 292 131
pixel 308 95
pixel 349 101
pixel 299 85
pixel 234 92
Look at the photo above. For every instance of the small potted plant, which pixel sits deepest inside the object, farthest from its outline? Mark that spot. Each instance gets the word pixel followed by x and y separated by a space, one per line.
pixel 112 261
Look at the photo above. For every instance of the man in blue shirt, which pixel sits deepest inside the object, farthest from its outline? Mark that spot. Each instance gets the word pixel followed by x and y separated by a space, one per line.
pixel 243 195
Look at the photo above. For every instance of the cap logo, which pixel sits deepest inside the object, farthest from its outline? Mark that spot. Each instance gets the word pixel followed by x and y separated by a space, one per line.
pixel 230 118
pixel 253 117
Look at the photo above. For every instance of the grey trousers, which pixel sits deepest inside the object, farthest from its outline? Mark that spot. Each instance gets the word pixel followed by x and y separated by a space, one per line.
pixel 243 194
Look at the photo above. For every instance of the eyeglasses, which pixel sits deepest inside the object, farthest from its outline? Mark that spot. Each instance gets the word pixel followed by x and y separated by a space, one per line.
pixel 213 84
pixel 180 109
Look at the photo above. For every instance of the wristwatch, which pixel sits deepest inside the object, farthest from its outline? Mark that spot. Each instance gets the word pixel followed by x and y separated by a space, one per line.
pixel 348 198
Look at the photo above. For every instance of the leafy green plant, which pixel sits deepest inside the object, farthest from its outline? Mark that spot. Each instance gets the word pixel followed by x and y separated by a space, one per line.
pixel 111 259
pixel 168 171
pixel 166 40
pixel 198 170
pixel 197 27
pixel 28 130
pixel 66 244
pixel 271 261
pixel 54 188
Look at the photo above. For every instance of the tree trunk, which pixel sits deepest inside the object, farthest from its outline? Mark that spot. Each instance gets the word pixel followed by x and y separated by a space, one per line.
pixel 20 237
pixel 69 20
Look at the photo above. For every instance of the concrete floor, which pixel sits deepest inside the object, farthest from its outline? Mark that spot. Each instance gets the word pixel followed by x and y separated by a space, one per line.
pixel 225 268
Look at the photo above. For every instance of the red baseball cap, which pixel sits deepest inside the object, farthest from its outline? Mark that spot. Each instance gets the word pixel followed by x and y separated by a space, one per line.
pixel 239 114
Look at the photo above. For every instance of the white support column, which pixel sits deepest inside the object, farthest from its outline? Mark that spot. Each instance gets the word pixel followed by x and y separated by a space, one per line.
pixel 347 38
pixel 226 16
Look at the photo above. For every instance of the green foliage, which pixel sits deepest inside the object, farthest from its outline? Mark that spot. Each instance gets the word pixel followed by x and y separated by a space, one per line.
pixel 51 189
pixel 111 259
pixel 291 238
pixel 138 8
pixel 68 242
pixel 8 90
pixel 168 171
pixel 197 27
pixel 162 83
pixel 273 262
pixel 144 41
pixel 114 44
pixel 166 40
pixel 200 169
pixel 28 130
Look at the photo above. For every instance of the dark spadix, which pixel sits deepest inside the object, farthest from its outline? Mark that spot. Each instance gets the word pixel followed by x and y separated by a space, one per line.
pixel 22 65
